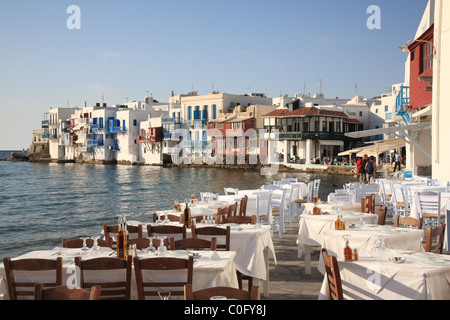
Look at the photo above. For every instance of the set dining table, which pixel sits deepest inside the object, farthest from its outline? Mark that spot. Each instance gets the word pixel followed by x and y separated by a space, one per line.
pixel 252 245
pixel 210 268
pixel 312 227
pixel 394 274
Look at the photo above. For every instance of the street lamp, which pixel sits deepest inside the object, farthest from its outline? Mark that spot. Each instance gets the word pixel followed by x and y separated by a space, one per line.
pixel 406 49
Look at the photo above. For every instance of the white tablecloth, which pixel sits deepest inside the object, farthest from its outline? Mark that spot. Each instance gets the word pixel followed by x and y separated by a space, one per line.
pixel 329 207
pixel 207 272
pixel 366 238
pixel 248 241
pixel 312 227
pixel 424 276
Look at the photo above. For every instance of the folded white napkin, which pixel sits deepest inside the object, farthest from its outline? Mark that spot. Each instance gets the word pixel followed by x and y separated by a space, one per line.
pixel 215 256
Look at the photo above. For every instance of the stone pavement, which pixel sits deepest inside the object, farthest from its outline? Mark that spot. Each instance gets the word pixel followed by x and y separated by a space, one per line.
pixel 288 280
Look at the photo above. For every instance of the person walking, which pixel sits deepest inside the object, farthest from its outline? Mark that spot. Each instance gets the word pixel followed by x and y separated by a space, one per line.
pixel 361 169
pixel 371 169
pixel 398 160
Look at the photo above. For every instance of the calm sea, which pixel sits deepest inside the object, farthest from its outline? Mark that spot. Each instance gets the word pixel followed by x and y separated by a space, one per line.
pixel 40 204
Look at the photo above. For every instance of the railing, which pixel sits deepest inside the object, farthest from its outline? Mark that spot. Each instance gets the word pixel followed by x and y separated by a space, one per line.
pixel 142 139
pixel 84 149
pixel 117 129
pixel 402 104
pixel 45 123
pixel 195 144
pixel 96 127
pixel 175 120
pixel 95 143
pixel 311 135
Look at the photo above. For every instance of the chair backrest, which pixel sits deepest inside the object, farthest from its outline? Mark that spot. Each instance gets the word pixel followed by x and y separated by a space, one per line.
pixel 278 199
pixel 437 233
pixel 148 284
pixel 193 244
pixel 289 180
pixel 133 231
pixel 243 206
pixel 117 289
pixel 316 188
pixel 230 191
pixel 271 187
pixel 370 203
pixel 78 243
pixel 167 230
pixel 382 213
pixel 65 293
pixel 333 276
pixel 241 219
pixel 429 203
pixel 216 232
pixel 22 289
pixel 221 214
pixel 228 292
pixel 140 243
pixel 170 217
pixel 408 221
pixel 205 196
pixel 310 194
pixel 233 210
pixel 263 204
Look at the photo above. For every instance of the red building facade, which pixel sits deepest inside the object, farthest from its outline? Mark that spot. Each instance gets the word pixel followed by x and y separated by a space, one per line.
pixel 421 70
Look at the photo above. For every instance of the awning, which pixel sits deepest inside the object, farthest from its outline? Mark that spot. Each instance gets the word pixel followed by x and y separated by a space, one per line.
pixel 424 112
pixel 349 152
pixel 376 132
pixel 402 132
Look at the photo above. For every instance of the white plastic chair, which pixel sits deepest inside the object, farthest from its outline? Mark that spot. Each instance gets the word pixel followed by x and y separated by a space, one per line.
pixel 316 188
pixel 231 191
pixel 209 196
pixel 263 208
pixel 429 207
pixel 289 180
pixel 292 194
pixel 278 201
pixel 310 194
pixel 271 187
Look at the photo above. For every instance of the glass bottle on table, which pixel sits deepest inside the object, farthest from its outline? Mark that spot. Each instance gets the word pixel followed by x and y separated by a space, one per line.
pixel 348 253
pixel 187 216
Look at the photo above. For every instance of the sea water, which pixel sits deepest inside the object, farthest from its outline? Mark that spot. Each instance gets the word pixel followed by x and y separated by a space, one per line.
pixel 42 203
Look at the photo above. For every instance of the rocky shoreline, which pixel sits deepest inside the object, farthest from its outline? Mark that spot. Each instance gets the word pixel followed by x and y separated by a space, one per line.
pixel 293 168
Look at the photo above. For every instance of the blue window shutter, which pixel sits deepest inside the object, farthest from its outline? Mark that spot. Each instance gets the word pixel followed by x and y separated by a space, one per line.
pixel 214 111
pixel 189 113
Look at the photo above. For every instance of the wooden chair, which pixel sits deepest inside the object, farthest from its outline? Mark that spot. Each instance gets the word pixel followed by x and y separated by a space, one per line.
pixel 214 232
pixel 382 213
pixel 364 208
pixel 371 203
pixel 233 210
pixel 136 231
pixel 111 290
pixel 228 292
pixel 19 289
pixel 333 276
pixel 193 244
pixel 65 293
pixel 240 219
pixel 408 221
pixel 149 288
pixel 437 233
pixel 78 243
pixel 221 214
pixel 167 230
pixel 243 206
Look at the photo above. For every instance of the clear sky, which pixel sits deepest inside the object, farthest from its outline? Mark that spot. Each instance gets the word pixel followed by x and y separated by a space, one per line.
pixel 126 48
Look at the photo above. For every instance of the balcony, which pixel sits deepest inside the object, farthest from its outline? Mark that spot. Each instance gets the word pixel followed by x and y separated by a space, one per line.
pixel 175 120
pixel 311 136
pixel 144 139
pixel 201 123
pixel 96 127
pixel 95 143
pixel 118 129
pixel 84 149
pixel 45 123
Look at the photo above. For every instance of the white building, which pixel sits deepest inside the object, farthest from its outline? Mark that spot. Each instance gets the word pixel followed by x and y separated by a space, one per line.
pixel 441 93
pixel 56 129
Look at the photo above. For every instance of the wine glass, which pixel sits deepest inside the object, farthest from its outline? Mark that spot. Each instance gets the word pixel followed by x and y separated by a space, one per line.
pixel 380 248
pixel 95 247
pixel 164 295
pixel 162 249
pixel 151 248
pixel 85 248
pixel 158 221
